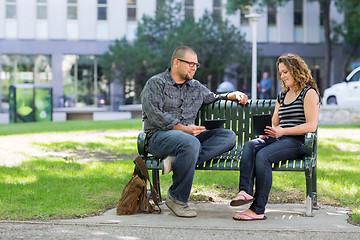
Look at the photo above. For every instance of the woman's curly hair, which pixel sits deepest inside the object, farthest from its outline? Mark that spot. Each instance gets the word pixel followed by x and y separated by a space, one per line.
pixel 298 69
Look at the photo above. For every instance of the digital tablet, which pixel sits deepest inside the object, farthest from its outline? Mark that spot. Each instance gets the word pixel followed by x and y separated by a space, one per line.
pixel 260 122
pixel 214 123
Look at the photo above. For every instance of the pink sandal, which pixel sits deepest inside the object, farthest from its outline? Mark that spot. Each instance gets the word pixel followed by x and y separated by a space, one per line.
pixel 249 218
pixel 238 202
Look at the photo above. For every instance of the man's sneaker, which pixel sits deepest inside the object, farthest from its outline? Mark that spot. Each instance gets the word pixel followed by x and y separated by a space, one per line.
pixel 167 164
pixel 180 210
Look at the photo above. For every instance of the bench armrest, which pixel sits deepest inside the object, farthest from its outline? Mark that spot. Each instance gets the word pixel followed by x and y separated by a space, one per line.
pixel 311 145
pixel 141 144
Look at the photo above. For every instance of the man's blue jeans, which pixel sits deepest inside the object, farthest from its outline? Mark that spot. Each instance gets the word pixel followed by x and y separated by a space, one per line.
pixel 256 162
pixel 189 151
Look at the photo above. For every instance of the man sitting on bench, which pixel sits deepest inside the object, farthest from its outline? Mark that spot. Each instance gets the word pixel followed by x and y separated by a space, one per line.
pixel 170 102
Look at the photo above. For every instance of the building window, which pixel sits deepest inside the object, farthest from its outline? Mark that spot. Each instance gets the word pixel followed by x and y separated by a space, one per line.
pixel 41 9
pixel 298 12
pixel 102 9
pixel 10 9
pixel 321 16
pixel 244 11
pixel 217 9
pixel 271 13
pixel 322 31
pixel 72 10
pixel 271 19
pixel 189 9
pixel 131 10
pixel 298 20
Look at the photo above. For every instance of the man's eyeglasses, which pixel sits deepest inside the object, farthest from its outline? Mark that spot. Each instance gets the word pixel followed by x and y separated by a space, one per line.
pixel 191 64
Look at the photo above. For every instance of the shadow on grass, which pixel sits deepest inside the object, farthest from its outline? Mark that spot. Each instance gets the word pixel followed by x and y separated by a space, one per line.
pixel 111 149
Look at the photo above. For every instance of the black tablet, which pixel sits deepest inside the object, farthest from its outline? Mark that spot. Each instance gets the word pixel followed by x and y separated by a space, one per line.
pixel 214 123
pixel 260 122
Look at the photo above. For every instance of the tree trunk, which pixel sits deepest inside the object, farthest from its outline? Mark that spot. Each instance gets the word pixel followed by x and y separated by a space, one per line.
pixel 348 58
pixel 325 81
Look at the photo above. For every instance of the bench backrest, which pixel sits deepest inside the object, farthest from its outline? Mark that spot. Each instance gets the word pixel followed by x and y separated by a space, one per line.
pixel 238 117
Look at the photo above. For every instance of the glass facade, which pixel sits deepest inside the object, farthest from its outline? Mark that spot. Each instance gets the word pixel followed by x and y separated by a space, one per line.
pixel 18 69
pixel 84 84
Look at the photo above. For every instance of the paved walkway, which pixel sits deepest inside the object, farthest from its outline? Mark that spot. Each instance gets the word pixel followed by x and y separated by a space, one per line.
pixel 214 221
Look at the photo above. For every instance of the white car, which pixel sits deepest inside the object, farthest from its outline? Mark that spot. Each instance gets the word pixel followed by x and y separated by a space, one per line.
pixel 345 94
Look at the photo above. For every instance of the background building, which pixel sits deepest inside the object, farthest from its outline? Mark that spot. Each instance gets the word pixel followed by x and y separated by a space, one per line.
pixel 59 42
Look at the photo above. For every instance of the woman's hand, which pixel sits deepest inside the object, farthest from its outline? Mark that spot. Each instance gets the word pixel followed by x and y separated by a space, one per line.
pixel 264 137
pixel 274 132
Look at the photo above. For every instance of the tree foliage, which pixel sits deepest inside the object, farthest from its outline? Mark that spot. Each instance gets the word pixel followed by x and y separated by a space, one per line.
pixel 119 61
pixel 233 5
pixel 348 32
pixel 218 45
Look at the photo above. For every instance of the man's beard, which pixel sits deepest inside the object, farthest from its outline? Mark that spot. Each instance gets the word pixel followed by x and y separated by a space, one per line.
pixel 187 77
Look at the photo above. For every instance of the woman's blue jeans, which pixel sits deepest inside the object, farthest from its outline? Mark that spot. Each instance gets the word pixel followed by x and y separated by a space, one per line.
pixel 189 151
pixel 256 163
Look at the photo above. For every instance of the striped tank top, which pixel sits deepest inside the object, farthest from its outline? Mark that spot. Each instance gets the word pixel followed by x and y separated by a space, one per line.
pixel 292 114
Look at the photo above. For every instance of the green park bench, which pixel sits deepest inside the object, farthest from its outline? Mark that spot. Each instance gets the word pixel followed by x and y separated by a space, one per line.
pixel 239 119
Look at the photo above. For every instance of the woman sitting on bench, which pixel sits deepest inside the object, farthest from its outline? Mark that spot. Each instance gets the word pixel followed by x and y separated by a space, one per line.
pixel 296 113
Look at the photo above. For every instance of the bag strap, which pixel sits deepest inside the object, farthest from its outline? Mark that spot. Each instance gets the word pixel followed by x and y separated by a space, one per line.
pixel 144 171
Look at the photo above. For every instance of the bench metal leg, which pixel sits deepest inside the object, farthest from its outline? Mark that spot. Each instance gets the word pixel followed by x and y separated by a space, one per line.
pixel 314 189
pixel 156 182
pixel 309 190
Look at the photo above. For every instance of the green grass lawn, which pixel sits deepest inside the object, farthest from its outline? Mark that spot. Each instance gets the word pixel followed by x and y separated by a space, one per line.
pixel 55 187
pixel 68 126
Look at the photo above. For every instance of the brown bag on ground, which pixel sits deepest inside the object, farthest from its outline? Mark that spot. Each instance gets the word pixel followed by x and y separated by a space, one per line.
pixel 134 193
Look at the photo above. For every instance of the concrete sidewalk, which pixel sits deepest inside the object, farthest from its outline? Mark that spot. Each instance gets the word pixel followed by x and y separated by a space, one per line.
pixel 214 221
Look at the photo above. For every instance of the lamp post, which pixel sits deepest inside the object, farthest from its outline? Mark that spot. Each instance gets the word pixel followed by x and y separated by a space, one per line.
pixel 253 17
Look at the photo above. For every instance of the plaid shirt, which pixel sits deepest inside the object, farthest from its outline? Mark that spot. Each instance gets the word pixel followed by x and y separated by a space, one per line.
pixel 166 103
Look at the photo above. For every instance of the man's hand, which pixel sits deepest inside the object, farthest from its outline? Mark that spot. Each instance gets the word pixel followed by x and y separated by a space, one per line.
pixel 191 129
pixel 195 130
pixel 239 96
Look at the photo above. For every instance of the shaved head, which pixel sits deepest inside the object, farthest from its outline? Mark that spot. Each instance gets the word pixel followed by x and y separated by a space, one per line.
pixel 180 52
